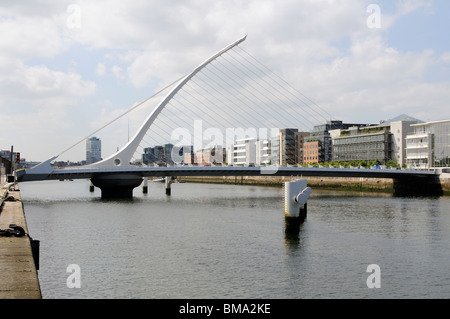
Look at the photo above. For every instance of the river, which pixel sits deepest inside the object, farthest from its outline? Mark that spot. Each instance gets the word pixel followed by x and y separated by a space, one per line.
pixel 229 241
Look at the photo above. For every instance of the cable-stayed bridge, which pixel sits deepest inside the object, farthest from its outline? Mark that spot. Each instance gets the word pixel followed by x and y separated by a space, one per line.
pixel 232 95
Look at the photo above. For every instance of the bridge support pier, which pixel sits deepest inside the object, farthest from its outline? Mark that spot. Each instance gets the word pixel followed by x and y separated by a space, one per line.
pixel 295 202
pixel 418 186
pixel 117 185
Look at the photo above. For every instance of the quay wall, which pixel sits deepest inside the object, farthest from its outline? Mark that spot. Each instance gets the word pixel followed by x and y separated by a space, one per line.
pixel 357 184
pixel 445 183
pixel 18 275
pixel 385 185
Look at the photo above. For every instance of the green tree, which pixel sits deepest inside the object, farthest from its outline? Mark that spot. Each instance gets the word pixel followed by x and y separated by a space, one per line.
pixel 392 163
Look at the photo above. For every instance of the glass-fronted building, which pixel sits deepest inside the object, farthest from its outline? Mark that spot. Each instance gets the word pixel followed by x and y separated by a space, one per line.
pixel 321 134
pixel 368 144
pixel 288 146
pixel 383 142
pixel 93 150
pixel 429 146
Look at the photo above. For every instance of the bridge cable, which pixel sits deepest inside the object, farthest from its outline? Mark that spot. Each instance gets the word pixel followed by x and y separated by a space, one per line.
pixel 122 115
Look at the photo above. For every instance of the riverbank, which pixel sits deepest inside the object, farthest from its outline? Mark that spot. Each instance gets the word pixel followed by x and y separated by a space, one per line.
pixel 385 185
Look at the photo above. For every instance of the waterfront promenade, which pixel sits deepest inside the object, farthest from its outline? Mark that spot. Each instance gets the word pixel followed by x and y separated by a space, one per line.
pixel 18 275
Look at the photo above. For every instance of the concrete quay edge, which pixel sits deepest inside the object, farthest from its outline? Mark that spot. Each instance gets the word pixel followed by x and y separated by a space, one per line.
pixel 18 273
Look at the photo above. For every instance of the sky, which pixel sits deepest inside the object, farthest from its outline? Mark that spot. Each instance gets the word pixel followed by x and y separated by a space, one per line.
pixel 68 67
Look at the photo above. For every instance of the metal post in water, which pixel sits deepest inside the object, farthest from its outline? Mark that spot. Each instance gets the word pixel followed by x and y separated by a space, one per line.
pixel 168 183
pixel 296 195
pixel 145 186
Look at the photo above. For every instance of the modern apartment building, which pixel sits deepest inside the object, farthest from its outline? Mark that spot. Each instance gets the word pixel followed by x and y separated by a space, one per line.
pixel 429 145
pixel 262 152
pixel 299 146
pixel 287 146
pixel 291 146
pixel 244 152
pixel 252 151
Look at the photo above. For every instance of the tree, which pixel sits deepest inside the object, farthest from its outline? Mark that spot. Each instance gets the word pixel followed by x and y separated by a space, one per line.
pixel 392 163
pixel 376 162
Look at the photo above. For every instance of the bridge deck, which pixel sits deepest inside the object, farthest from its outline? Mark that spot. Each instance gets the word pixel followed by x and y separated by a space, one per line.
pixel 84 173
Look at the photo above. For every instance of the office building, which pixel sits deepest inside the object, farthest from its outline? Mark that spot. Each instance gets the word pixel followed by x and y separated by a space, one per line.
pixel 93 150
pixel 383 142
pixel 363 144
pixel 311 152
pixel 164 155
pixel 321 134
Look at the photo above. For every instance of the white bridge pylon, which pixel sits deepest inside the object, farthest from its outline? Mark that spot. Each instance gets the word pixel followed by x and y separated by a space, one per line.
pixel 233 94
pixel 124 156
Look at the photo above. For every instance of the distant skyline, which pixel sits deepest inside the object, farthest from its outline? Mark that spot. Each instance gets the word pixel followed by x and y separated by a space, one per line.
pixel 68 67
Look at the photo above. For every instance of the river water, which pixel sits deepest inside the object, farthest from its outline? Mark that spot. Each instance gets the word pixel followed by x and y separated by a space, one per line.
pixel 228 241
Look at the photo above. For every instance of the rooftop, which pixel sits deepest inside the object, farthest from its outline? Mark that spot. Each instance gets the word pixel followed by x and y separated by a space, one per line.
pixel 402 117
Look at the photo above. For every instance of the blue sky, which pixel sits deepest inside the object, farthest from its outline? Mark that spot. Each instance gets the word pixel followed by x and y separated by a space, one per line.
pixel 60 81
pixel 422 29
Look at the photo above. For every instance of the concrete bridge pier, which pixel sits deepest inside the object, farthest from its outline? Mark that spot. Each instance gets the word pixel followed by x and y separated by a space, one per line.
pixel 296 195
pixel 418 186
pixel 117 185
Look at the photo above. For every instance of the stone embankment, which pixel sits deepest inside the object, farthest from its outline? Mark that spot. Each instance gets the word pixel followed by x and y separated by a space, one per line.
pixel 353 184
pixel 445 182
pixel 357 184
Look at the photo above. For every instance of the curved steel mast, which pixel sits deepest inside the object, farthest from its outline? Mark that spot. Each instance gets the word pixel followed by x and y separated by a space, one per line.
pixel 124 156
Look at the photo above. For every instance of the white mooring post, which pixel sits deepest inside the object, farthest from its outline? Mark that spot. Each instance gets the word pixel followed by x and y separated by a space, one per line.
pixel 296 195
pixel 145 186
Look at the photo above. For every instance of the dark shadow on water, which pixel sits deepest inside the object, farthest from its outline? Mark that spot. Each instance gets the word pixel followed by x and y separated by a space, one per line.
pixel 117 200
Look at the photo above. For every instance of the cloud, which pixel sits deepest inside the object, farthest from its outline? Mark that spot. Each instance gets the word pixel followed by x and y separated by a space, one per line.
pixel 40 86
pixel 323 48
pixel 31 37
pixel 117 71
pixel 445 58
pixel 101 69
pixel 375 79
